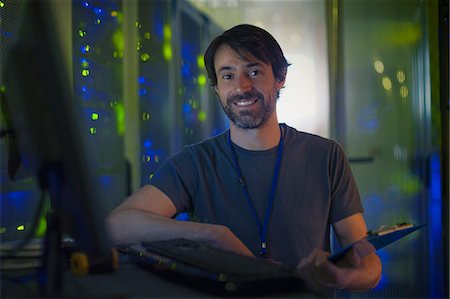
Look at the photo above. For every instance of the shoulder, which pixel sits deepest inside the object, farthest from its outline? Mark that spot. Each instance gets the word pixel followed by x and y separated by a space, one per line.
pixel 209 144
pixel 312 147
pixel 207 148
pixel 303 140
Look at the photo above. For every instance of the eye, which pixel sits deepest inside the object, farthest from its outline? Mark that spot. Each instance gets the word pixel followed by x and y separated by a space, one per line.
pixel 227 76
pixel 253 73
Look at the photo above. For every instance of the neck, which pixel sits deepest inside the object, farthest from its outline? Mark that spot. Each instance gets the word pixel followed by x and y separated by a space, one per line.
pixel 266 137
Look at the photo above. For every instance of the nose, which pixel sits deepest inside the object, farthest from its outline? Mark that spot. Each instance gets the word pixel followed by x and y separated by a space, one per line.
pixel 244 84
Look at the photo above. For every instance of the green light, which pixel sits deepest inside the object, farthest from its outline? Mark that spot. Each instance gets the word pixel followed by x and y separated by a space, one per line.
pixel 117 54
pixel 146 158
pixel 87 48
pixel 82 33
pixel 145 57
pixel 201 80
pixel 150 176
pixel 167 32
pixel 21 227
pixel 2 88
pixel 94 116
pixel 403 91
pixel 119 110
pixel 145 116
pixel 97 22
pixel 92 130
pixel 138 45
pixel 138 25
pixel 147 35
pixel 387 83
pixel 119 17
pixel 2 230
pixel 202 116
pixel 2 4
pixel 118 41
pixel 42 227
pixel 200 62
pixel 167 51
pixel 85 64
pixel 85 73
pixel 401 76
pixel 379 66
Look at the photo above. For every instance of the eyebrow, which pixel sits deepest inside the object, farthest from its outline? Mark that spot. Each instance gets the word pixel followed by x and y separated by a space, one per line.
pixel 248 65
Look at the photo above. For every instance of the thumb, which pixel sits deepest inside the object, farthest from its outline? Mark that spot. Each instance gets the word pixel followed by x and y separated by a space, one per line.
pixel 363 248
pixel 359 250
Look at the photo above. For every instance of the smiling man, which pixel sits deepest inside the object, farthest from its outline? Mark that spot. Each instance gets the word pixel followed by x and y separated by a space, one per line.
pixel 260 188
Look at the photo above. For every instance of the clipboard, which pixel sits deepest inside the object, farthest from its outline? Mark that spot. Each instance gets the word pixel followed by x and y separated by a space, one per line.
pixel 381 238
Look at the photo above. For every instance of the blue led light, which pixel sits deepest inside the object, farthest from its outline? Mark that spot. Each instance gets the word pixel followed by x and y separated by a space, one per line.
pixel 159 25
pixel 85 93
pixel 7 33
pixel 18 199
pixel 435 245
pixel 141 80
pixel 85 4
pixel 85 48
pixel 106 180
pixel 185 70
pixel 143 92
pixel 183 217
pixel 186 108
pixel 147 143
pixel 98 11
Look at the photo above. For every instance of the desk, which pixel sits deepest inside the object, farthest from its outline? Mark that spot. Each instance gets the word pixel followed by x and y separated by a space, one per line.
pixel 128 281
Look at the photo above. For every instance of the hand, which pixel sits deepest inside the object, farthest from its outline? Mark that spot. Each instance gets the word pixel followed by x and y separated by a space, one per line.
pixel 353 257
pixel 222 237
pixel 319 274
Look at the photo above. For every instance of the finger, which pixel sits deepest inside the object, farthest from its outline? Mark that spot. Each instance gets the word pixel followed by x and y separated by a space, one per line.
pixel 352 259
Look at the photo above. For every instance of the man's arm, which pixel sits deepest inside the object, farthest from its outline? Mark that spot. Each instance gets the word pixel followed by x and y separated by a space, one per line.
pixel 360 269
pixel 147 216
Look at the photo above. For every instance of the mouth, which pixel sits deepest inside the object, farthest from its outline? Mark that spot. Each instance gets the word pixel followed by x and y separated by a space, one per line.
pixel 245 102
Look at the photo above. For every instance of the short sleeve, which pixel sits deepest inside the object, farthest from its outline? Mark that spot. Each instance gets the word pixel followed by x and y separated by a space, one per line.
pixel 345 198
pixel 177 179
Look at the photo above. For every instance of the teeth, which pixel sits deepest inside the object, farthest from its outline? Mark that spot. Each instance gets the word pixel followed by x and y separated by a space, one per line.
pixel 244 103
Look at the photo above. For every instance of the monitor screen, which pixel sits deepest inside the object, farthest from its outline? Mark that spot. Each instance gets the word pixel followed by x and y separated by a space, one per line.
pixel 45 121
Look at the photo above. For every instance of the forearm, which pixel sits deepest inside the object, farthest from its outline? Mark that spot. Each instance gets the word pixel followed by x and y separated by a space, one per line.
pixel 366 276
pixel 350 273
pixel 128 226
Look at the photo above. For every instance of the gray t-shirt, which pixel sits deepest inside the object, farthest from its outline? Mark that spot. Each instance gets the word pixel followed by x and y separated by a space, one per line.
pixel 315 188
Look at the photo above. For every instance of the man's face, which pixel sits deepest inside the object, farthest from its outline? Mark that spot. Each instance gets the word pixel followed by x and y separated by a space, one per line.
pixel 247 88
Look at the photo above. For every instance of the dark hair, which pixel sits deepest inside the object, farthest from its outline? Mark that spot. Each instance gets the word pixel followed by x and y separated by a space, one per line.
pixel 248 39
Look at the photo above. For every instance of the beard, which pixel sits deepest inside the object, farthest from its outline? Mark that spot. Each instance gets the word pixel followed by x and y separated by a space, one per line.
pixel 251 118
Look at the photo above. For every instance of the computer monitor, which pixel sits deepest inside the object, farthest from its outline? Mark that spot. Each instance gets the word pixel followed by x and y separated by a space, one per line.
pixel 45 121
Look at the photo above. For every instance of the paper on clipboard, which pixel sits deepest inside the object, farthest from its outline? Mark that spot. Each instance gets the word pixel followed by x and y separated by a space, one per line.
pixel 381 238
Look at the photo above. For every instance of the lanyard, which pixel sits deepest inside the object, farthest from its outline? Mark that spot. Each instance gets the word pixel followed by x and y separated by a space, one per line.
pixel 262 226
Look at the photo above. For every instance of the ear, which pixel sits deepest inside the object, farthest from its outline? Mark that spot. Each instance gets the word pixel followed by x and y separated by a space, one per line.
pixel 280 84
pixel 216 90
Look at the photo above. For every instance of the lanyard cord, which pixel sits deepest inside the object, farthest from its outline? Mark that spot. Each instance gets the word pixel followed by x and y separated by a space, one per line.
pixel 262 226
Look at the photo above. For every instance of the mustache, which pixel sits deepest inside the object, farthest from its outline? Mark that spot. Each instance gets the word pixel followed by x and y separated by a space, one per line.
pixel 248 95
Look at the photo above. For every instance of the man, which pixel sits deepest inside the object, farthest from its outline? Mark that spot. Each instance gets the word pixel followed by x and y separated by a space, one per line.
pixel 261 188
